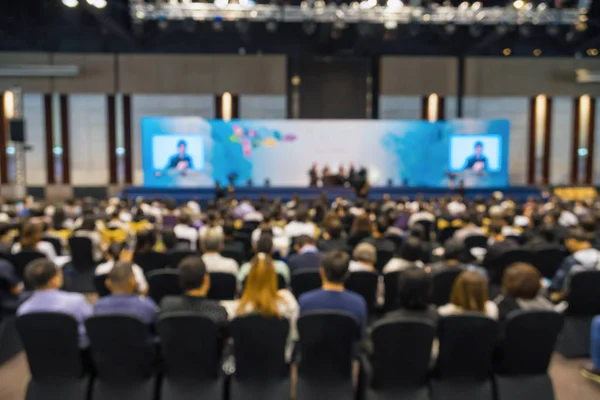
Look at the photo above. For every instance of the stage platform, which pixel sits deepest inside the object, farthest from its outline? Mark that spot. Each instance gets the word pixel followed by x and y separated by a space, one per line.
pixel 285 193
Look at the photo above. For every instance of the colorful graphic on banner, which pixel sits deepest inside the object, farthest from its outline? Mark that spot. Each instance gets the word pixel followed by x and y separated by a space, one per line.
pixel 194 152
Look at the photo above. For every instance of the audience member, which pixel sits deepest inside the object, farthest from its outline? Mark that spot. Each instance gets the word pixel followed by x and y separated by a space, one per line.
pixel 470 294
pixel 115 253
pixel 361 229
pixel 583 258
pixel 333 236
pixel 470 227
pixel 46 280
pixel 88 229
pixel 332 295
pixel 185 231
pixel 124 297
pixel 211 225
pixel 307 255
pixel 31 240
pixel 364 258
pixel 212 245
pixel 521 285
pixel 408 256
pixel 413 299
pixel 230 244
pixel 378 238
pixel 300 225
pixel 265 246
pixel 454 254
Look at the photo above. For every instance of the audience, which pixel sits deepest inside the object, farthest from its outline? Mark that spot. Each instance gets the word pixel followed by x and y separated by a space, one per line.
pixel 116 252
pixel 124 297
pixel 31 240
pixel 408 256
pixel 265 246
pixel 307 255
pixel 88 229
pixel 521 285
pixel 361 229
pixel 300 225
pixel 470 294
pixel 413 299
pixel 583 258
pixel 47 280
pixel 332 237
pixel 184 231
pixel 364 258
pixel 332 295
pixel 212 245
pixel 454 253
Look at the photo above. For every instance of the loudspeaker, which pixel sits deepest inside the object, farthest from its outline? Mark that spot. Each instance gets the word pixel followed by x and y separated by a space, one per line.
pixel 17 130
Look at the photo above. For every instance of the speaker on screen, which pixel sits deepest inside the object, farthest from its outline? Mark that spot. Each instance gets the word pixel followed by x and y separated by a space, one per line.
pixel 17 130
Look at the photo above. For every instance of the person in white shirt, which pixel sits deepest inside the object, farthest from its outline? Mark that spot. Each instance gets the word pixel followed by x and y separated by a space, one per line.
pixel 184 230
pixel 212 245
pixel 212 225
pixel 281 242
pixel 470 294
pixel 364 258
pixel 300 225
pixel 31 239
pixel 424 214
pixel 116 253
pixel 408 256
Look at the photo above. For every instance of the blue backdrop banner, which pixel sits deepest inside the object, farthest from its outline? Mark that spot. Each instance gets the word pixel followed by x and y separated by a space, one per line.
pixel 194 152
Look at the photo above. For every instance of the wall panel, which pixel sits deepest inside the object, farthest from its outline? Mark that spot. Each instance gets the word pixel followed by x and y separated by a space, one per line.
pixel 31 85
pixel 97 73
pixel 418 75
pixel 399 107
pixel 562 122
pixel 262 107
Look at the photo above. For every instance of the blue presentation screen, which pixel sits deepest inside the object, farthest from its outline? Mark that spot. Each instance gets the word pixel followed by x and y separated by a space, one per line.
pixel 194 152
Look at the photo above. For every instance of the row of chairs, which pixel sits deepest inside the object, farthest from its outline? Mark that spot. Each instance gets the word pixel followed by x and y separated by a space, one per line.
pixel 472 363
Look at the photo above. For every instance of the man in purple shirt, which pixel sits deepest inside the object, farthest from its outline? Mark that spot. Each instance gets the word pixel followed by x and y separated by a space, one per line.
pixel 123 298
pixel 46 280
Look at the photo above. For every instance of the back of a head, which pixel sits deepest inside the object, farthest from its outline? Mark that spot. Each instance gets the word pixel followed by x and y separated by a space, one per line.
pixel 260 288
pixel 453 249
pixel 184 219
pixel 418 231
pixel 335 265
pixel 302 214
pixel 212 241
pixel 495 228
pixel 88 223
pixel 31 233
pixel 361 225
pixel 365 252
pixel 414 289
pixel 169 239
pixel 381 225
pixel 335 228
pixel 577 234
pixel 228 228
pixel 411 249
pixel 470 291
pixel 145 241
pixel 264 244
pixel 304 240
pixel 191 273
pixel 39 273
pixel 120 278
pixel 521 281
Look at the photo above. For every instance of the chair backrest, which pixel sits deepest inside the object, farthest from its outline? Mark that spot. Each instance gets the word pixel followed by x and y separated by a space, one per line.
pixel 466 345
pixel 446 234
pixel 427 225
pixel 401 352
pixel 55 242
pixel 519 239
pixel 23 258
pixel 548 259
pixel 234 254
pixel 260 347
pixel 326 344
pixel 529 339
pixel 100 285
pixel 81 252
pixel 474 241
pixel 163 282
pixel 397 239
pixel 185 243
pixel 175 257
pixel 151 261
pixel 442 285
pixel 583 297
pixel 223 286
pixel 390 281
pixel 365 284
pixel 190 345
pixel 51 341
pixel 496 270
pixel 383 257
pixel 305 280
pixel 120 346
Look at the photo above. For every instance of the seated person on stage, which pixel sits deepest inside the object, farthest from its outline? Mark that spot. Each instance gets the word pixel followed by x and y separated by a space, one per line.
pixel 46 280
pixel 332 295
pixel 583 258
pixel 364 258
pixel 307 255
pixel 478 161
pixel 124 298
pixel 593 372
pixel 195 282
pixel 212 245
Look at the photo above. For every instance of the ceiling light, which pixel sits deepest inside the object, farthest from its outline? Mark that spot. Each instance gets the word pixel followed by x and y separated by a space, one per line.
pixel 70 3
pixel 518 4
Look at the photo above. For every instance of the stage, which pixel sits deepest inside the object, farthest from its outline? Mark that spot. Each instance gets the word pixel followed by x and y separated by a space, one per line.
pixel 285 193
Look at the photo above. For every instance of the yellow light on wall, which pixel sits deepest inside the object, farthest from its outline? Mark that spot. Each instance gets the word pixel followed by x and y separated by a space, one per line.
pixel 507 51
pixel 226 106
pixel 433 107
pixel 9 104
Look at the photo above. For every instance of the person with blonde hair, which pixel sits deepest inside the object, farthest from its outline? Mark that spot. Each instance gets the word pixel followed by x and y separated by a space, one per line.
pixel 470 294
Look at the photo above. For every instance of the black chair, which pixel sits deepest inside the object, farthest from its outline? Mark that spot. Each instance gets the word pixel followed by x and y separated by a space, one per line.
pixel 524 354
pixel 383 257
pixel 548 259
pixel 474 241
pixel 464 365
pixel 184 243
pixel 305 280
pixel 55 242
pixel 427 225
pixel 122 352
pixel 51 341
pixel 446 234
pixel 497 266
pixel 365 284
pixel 442 285
pixel 191 349
pixel 399 365
pixel 390 281
pixel 151 261
pixel 10 343
pixel 100 285
pixel 164 282
pixel 80 277
pixel 518 239
pixel 234 254
pixel 223 286
pixel 584 304
pixel 174 257
pixel 22 259
pixel 261 371
pixel 326 346
pixel 397 239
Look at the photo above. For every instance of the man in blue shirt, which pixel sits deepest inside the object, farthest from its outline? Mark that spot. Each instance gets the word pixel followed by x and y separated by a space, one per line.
pixel 332 295
pixel 123 298
pixel 307 255
pixel 46 280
